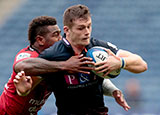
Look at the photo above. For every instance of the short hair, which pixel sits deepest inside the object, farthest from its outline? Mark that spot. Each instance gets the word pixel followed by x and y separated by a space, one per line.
pixel 75 12
pixel 38 26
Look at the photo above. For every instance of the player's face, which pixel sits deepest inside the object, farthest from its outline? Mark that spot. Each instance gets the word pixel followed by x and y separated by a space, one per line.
pixel 80 32
pixel 53 36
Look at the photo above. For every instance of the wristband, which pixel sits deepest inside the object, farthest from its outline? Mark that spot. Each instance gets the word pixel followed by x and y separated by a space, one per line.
pixel 123 63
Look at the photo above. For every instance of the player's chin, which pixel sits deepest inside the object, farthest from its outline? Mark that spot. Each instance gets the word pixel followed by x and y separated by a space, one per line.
pixel 86 41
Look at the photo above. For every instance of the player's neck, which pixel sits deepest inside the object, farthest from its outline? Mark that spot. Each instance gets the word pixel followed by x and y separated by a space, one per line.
pixel 37 48
pixel 78 49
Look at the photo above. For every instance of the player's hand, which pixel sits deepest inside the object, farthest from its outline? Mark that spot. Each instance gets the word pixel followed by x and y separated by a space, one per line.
pixel 112 63
pixel 23 83
pixel 79 64
pixel 117 94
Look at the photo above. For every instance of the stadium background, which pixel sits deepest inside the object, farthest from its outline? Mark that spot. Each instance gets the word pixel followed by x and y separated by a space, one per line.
pixel 133 25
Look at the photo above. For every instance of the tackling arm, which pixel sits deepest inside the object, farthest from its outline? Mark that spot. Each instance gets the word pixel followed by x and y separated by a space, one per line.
pixel 39 66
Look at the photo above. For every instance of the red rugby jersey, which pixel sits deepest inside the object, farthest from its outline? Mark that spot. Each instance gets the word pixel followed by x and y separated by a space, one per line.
pixel 13 104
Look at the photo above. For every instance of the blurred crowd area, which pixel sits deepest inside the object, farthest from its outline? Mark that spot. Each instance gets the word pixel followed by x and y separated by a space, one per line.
pixel 132 25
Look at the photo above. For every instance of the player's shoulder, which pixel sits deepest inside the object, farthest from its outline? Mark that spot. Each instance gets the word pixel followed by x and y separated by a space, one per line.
pixel 55 48
pixel 98 42
pixel 58 51
pixel 103 43
pixel 59 47
pixel 26 53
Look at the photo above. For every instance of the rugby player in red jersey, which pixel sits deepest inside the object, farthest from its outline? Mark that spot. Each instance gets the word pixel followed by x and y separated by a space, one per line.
pixel 42 33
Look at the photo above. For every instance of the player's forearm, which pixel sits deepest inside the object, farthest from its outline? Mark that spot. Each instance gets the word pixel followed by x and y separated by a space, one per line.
pixel 38 66
pixel 108 87
pixel 135 64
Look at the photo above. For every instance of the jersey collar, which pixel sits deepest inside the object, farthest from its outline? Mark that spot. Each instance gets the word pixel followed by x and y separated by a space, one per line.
pixel 66 42
pixel 33 49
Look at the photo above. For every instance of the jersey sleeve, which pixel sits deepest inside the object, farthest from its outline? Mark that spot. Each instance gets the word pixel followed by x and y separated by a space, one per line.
pixel 23 55
pixel 108 45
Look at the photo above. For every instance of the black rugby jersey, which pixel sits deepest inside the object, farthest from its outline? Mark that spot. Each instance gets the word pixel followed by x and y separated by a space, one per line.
pixel 77 92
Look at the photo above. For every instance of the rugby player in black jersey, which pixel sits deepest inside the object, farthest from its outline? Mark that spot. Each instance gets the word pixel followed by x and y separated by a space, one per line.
pixel 79 93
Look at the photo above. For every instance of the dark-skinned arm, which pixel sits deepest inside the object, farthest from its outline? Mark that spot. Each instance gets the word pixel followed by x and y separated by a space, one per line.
pixel 39 66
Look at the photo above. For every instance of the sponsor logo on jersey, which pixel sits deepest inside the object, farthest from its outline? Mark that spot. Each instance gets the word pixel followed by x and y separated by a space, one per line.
pixel 77 79
pixel 83 78
pixel 22 55
pixel 71 79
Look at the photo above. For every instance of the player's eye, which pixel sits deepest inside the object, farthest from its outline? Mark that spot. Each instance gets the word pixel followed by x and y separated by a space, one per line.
pixel 81 28
pixel 56 34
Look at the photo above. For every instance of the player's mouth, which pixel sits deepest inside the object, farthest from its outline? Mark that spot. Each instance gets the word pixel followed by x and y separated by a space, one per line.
pixel 86 38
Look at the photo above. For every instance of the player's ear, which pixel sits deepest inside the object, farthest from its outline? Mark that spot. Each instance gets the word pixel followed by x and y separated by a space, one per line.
pixel 40 39
pixel 66 29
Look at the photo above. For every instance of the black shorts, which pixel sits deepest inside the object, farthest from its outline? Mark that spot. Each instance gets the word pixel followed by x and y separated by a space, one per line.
pixel 89 111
